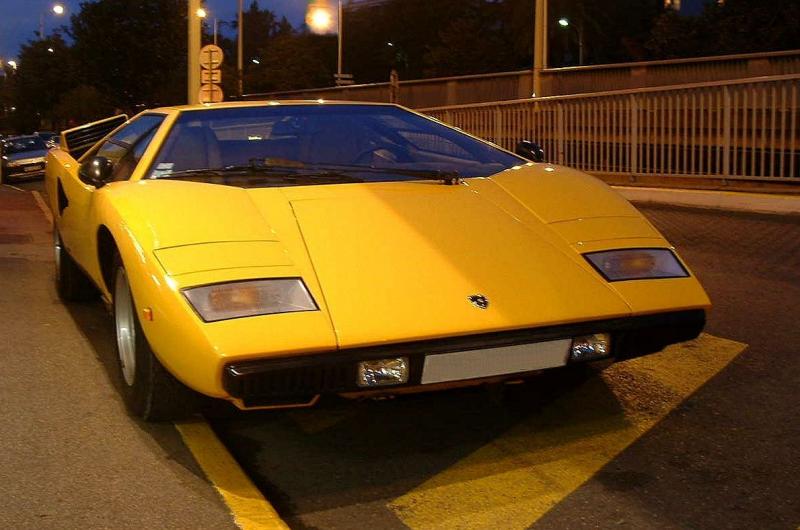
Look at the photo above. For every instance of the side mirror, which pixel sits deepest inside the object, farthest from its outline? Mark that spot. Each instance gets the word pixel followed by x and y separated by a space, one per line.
pixel 530 150
pixel 96 171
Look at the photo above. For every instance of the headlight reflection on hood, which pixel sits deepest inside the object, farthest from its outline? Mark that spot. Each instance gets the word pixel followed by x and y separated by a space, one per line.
pixel 224 301
pixel 637 264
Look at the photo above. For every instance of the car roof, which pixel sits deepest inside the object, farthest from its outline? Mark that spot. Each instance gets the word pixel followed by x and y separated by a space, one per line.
pixel 264 103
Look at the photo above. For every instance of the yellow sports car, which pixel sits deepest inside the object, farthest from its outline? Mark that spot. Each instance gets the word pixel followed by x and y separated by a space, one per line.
pixel 267 253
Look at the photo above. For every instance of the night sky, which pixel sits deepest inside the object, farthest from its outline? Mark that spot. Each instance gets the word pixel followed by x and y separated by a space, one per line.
pixel 19 19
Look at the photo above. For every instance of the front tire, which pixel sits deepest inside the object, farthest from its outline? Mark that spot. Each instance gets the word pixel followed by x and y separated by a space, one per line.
pixel 148 389
pixel 71 283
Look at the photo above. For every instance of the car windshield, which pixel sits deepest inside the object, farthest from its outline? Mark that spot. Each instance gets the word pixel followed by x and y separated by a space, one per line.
pixel 22 144
pixel 338 142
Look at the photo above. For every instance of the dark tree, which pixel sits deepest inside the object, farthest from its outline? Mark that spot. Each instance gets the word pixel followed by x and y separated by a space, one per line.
pixel 46 69
pixel 133 51
pixel 736 26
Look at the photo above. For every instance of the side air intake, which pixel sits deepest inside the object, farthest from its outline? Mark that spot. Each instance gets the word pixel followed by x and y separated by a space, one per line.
pixel 80 139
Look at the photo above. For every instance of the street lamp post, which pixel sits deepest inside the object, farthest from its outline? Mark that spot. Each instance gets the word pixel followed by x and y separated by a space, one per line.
pixel 193 48
pixel 320 19
pixel 57 9
pixel 564 23
pixel 539 46
pixel 240 49
pixel 340 30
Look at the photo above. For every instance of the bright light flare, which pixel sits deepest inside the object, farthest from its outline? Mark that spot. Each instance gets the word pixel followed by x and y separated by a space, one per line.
pixel 12 64
pixel 201 13
pixel 58 9
pixel 563 22
pixel 320 17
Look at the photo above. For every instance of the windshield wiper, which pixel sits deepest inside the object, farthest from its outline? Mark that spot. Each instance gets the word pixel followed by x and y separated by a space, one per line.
pixel 261 164
pixel 232 172
pixel 295 171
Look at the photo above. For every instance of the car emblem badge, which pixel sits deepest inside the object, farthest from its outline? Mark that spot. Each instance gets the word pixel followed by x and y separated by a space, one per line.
pixel 479 301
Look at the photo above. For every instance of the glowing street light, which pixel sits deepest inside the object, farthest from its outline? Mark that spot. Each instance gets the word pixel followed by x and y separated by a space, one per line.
pixel 564 23
pixel 320 17
pixel 12 64
pixel 57 9
pixel 201 13
pixel 51 50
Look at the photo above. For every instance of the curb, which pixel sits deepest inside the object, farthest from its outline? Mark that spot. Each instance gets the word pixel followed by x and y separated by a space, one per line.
pixel 722 200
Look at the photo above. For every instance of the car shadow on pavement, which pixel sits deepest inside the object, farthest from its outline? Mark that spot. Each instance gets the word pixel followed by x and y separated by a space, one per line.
pixel 94 322
pixel 344 452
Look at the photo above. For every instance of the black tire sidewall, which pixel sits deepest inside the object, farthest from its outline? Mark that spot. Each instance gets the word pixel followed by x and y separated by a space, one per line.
pixel 72 284
pixel 155 395
pixel 137 395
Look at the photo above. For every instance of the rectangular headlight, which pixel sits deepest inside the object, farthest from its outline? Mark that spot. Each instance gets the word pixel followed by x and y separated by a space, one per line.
pixel 636 264
pixel 224 301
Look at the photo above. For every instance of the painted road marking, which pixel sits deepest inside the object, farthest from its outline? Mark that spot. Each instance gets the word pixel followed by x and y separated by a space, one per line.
pixel 515 479
pixel 250 509
pixel 42 206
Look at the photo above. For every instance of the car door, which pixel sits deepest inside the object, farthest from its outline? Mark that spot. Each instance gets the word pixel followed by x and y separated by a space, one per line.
pixel 123 149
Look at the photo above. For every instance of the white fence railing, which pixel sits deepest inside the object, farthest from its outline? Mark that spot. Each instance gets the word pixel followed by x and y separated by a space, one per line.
pixel 730 129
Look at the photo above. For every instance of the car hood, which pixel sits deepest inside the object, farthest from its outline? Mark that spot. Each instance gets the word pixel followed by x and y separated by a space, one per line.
pixel 401 261
pixel 398 261
pixel 26 155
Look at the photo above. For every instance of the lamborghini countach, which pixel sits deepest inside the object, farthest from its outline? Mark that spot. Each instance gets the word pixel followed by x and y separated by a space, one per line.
pixel 269 253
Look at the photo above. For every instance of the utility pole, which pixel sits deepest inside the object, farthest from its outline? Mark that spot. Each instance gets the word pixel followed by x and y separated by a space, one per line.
pixel 193 48
pixel 539 45
pixel 240 49
pixel 341 37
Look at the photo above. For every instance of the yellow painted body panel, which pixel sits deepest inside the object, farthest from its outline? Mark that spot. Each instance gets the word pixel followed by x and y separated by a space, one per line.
pixel 385 262
pixel 415 252
pixel 222 255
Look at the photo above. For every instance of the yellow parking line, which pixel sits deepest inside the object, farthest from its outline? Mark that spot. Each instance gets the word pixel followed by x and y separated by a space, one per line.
pixel 251 511
pixel 517 478
pixel 42 206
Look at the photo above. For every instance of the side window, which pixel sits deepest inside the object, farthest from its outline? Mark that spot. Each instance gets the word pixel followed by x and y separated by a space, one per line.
pixel 126 147
pixel 124 169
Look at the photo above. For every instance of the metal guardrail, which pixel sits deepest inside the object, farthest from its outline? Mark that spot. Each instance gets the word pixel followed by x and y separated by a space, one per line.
pixel 743 129
pixel 501 86
pixel 622 76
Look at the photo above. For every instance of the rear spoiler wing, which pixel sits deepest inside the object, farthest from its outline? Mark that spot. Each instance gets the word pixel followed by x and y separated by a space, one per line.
pixel 79 140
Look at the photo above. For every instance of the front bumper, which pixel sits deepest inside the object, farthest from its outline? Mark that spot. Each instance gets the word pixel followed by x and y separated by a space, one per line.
pixel 25 171
pixel 292 381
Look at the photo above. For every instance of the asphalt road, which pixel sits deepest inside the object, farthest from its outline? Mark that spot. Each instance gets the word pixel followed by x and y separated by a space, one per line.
pixel 70 457
pixel 701 437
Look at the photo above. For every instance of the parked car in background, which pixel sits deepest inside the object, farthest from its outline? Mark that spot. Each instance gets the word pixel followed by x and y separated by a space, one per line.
pixel 50 138
pixel 22 157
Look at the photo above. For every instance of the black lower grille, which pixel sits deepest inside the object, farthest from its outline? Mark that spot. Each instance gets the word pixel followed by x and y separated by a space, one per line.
pixel 299 379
